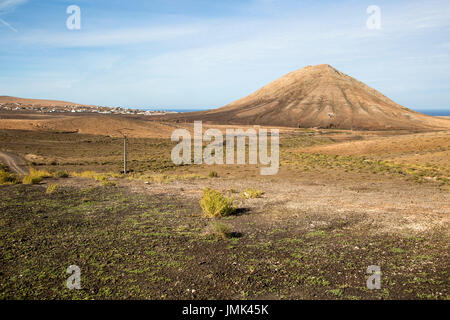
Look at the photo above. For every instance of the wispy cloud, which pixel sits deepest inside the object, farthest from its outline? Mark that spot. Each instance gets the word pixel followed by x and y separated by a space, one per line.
pixel 151 55
pixel 103 38
pixel 8 25
pixel 9 5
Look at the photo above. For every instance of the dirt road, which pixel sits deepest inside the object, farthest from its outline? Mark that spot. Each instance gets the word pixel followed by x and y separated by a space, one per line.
pixel 14 162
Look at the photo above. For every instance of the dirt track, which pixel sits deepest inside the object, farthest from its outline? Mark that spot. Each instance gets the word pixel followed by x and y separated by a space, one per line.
pixel 14 162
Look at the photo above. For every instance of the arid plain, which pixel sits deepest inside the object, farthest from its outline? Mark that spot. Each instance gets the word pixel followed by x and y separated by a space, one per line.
pixel 342 200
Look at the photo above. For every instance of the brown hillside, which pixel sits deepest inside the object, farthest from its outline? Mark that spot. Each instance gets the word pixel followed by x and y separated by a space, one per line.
pixel 41 102
pixel 319 96
pixel 90 124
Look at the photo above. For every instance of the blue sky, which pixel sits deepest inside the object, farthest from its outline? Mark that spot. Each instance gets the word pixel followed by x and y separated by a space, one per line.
pixel 204 54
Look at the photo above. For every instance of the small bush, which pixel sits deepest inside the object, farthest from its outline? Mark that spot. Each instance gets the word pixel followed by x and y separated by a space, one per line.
pixel 106 183
pixel 89 174
pixel 222 231
pixel 35 176
pixel 61 174
pixel 29 179
pixel 166 178
pixel 214 204
pixel 213 174
pixel 101 177
pixel 40 173
pixel 7 177
pixel 251 193
pixel 51 188
pixel 85 174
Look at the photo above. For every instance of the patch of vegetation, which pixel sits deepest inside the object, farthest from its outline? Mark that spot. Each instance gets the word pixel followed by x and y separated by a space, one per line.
pixel 35 176
pixel 214 204
pixel 250 193
pixel 137 246
pixel 89 174
pixel 417 173
pixel 61 174
pixel 213 174
pixel 31 180
pixel 318 233
pixel 337 292
pixel 7 177
pixel 103 178
pixel 51 188
pixel 397 250
pixel 317 281
pixel 165 178
pixel 107 183
pixel 222 230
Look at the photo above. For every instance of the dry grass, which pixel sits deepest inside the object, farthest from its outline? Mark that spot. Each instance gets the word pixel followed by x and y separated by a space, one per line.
pixel 250 193
pixel 28 179
pixel 35 176
pixel 166 178
pixel 51 188
pixel 213 174
pixel 8 178
pixel 222 231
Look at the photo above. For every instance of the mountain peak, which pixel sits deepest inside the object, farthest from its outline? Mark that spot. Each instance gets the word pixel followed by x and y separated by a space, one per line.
pixel 320 96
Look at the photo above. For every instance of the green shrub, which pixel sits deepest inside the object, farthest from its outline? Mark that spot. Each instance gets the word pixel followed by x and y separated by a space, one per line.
pixel 213 174
pixel 214 204
pixel 251 193
pixel 51 188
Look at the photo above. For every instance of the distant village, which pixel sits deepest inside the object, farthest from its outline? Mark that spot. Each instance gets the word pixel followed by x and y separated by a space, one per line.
pixel 17 106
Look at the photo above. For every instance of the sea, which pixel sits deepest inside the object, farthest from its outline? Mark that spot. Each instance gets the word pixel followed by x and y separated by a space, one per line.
pixel 437 112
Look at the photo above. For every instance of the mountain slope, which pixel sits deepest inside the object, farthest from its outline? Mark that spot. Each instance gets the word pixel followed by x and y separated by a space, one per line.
pixel 319 96
pixel 42 102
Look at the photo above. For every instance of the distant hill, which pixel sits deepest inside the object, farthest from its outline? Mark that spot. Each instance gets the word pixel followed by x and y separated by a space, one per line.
pixel 47 103
pixel 318 96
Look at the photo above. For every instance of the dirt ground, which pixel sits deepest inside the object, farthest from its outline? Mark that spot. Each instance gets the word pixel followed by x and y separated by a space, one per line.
pixel 312 234
pixel 300 240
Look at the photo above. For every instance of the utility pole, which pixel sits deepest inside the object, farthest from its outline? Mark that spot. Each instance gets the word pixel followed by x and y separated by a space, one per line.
pixel 124 134
pixel 124 154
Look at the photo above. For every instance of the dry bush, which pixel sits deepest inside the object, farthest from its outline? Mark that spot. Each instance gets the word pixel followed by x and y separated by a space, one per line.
pixel 8 177
pixel 250 193
pixel 61 174
pixel 51 188
pixel 35 176
pixel 213 174
pixel 215 205
pixel 222 230
pixel 29 179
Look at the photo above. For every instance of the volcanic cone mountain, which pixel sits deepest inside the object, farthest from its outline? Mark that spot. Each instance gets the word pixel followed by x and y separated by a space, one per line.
pixel 319 96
